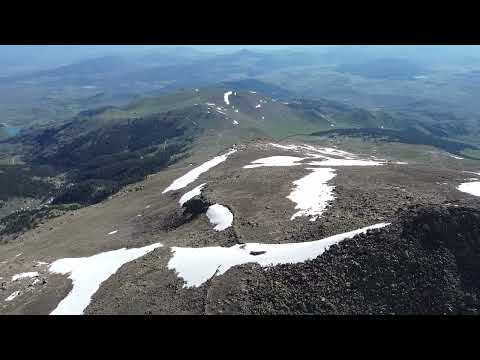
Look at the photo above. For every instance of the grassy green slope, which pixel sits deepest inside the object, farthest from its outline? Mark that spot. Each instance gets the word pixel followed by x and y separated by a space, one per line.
pixel 273 118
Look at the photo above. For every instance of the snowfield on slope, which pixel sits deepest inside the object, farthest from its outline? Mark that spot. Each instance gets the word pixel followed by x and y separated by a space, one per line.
pixel 24 275
pixel 312 193
pixel 320 151
pixel 88 273
pixel 454 156
pixel 196 265
pixel 193 174
pixel 345 162
pixel 12 296
pixel 472 188
pixel 274 161
pixel 191 194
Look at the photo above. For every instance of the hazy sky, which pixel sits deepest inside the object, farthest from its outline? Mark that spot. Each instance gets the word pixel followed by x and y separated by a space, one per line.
pixel 15 58
pixel 19 56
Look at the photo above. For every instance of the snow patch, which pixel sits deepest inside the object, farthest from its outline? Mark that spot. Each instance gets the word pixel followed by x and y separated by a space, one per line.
pixel 472 188
pixel 191 194
pixel 285 147
pixel 343 162
pixel 321 152
pixel 193 174
pixel 220 216
pixel 454 157
pixel 88 273
pixel 332 151
pixel 24 275
pixel 235 122
pixel 40 263
pixel 312 194
pixel 341 158
pixel 274 161
pixel 258 106
pixel 13 296
pixel 225 97
pixel 317 156
pixel 197 265
pixel 471 172
pixel 112 232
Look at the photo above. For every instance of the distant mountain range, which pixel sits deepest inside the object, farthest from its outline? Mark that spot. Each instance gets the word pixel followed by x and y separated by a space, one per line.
pixel 179 66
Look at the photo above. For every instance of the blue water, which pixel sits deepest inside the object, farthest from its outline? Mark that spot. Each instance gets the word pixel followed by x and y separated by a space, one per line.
pixel 12 130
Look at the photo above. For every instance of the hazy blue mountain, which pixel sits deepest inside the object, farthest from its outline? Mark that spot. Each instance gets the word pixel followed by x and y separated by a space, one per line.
pixel 385 69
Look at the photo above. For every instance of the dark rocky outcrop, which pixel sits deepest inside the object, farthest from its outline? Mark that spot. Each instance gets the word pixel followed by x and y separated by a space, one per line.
pixel 425 262
pixel 196 206
pixel 190 210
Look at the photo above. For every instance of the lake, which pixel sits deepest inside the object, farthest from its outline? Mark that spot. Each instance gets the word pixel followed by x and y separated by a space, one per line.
pixel 12 130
